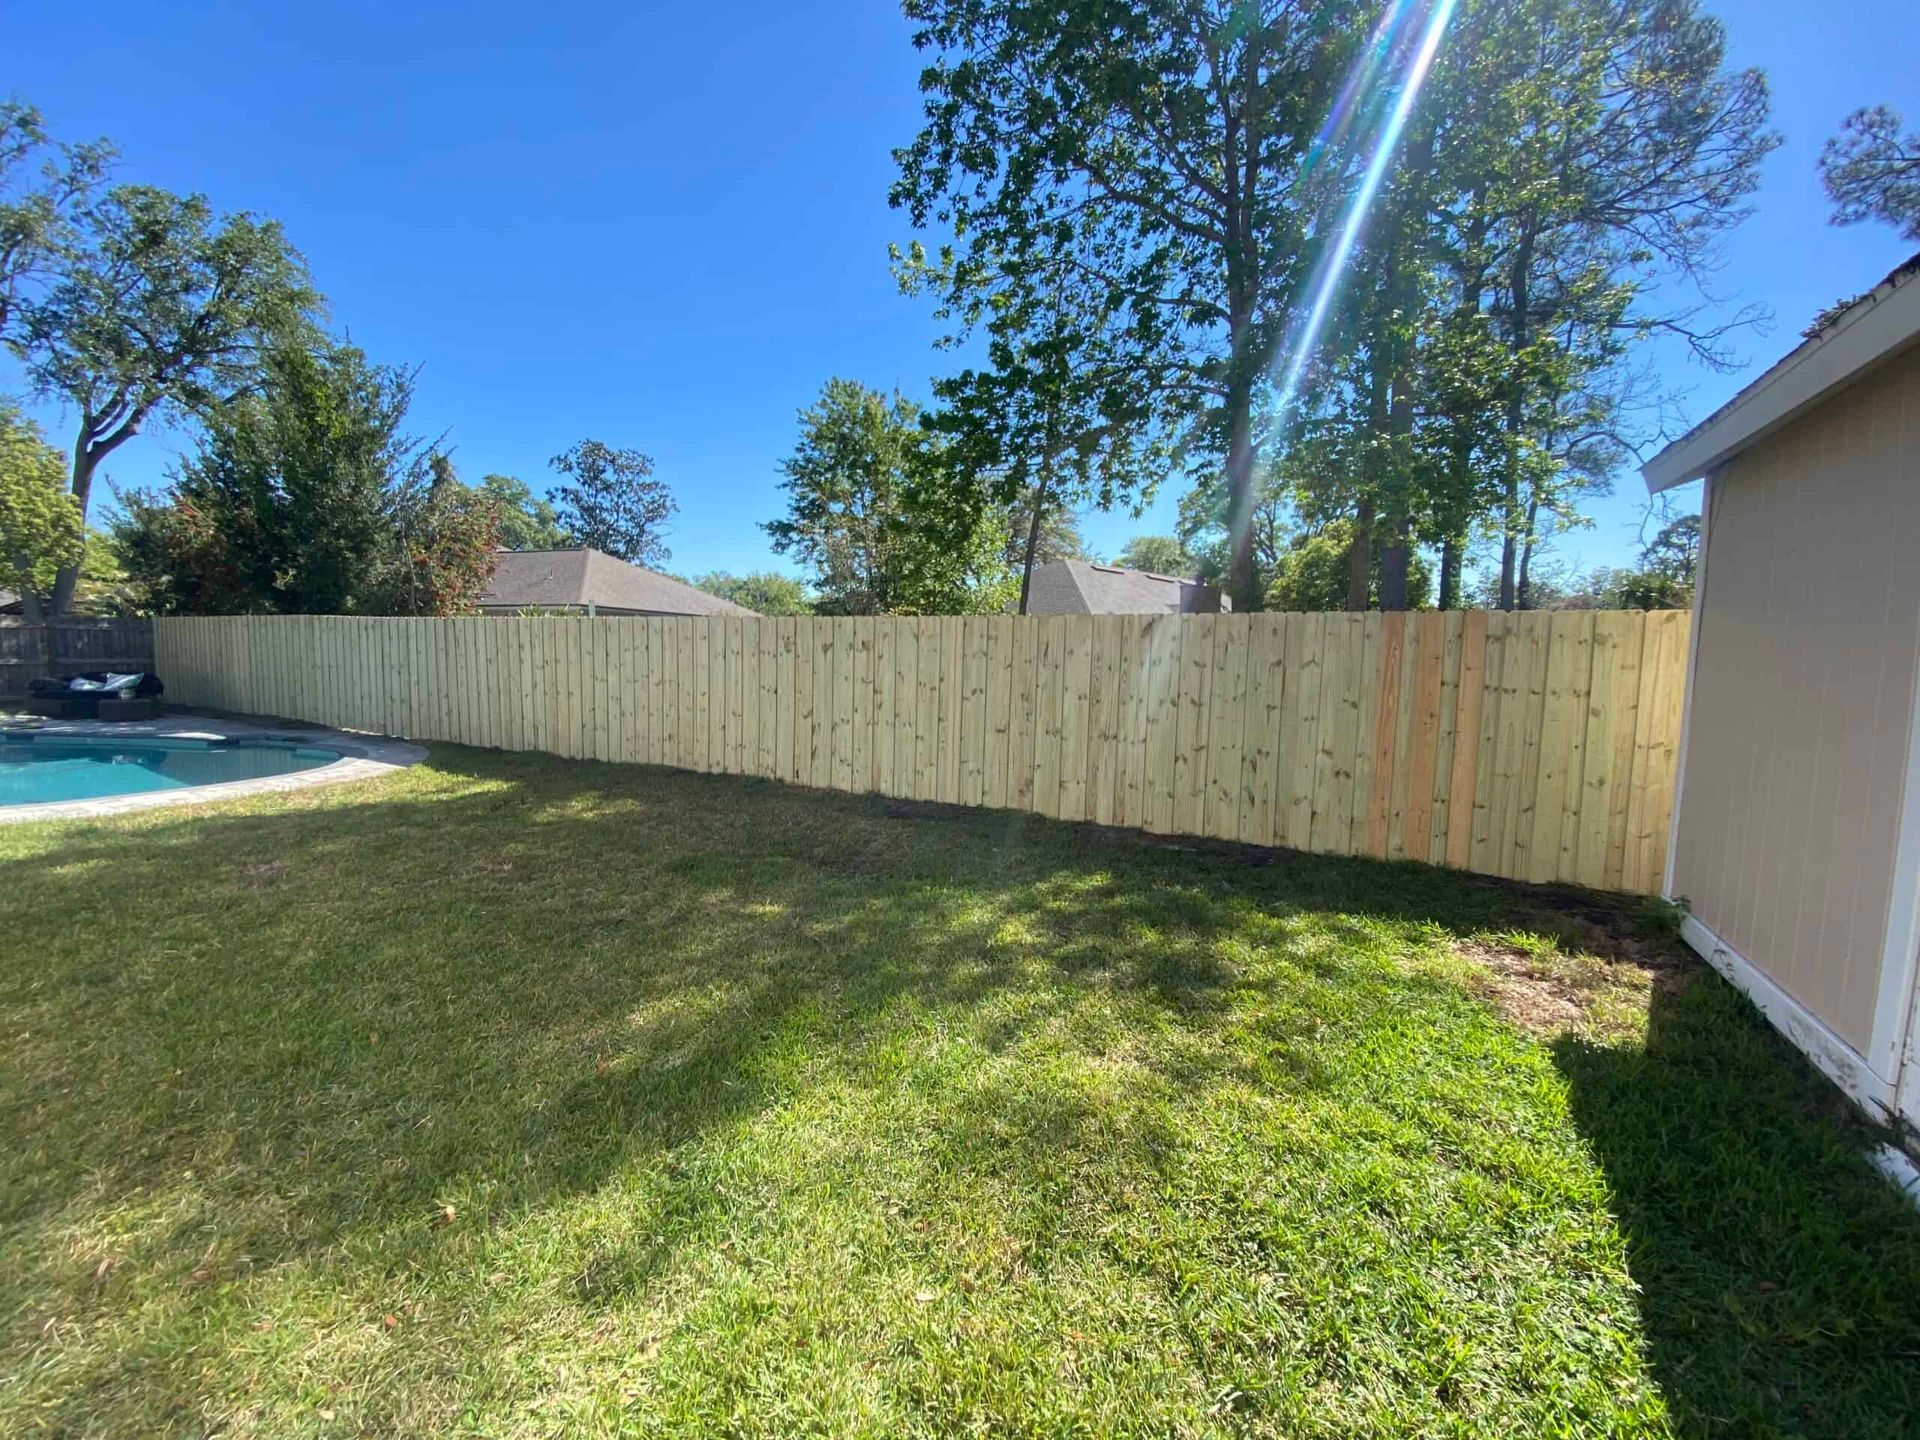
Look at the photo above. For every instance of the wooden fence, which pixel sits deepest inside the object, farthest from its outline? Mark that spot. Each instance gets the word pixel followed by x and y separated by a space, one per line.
pixel 1536 746
pixel 67 647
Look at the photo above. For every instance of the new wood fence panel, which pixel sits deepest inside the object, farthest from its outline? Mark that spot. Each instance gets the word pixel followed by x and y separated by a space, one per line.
pixel 1537 746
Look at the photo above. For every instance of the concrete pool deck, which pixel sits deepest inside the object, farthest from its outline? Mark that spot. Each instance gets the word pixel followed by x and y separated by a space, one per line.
pixel 362 757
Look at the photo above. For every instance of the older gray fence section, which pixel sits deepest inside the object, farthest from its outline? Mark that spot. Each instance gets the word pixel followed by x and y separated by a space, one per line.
pixel 68 647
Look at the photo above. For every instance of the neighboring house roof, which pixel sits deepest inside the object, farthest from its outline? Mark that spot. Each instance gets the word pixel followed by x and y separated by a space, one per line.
pixel 1079 587
pixel 1841 346
pixel 10 603
pixel 556 579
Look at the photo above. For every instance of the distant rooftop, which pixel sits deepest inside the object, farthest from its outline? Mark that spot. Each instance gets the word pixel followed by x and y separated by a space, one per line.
pixel 1080 587
pixel 581 578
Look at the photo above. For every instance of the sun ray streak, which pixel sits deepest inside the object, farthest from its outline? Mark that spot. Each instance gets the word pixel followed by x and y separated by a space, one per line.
pixel 1366 73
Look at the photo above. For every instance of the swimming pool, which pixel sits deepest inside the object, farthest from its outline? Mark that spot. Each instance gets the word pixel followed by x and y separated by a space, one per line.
pixel 44 769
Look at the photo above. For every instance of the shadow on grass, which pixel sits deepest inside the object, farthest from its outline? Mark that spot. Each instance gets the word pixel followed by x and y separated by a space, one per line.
pixel 1780 1279
pixel 266 1037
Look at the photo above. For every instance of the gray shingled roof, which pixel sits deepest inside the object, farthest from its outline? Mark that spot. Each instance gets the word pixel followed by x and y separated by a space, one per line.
pixel 1079 587
pixel 553 579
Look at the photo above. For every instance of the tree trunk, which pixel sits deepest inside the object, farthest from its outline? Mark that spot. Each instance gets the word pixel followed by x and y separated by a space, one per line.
pixel 85 458
pixel 1243 576
pixel 1360 557
pixel 1450 573
pixel 1033 530
pixel 1518 330
pixel 1507 552
pixel 1523 588
pixel 1396 550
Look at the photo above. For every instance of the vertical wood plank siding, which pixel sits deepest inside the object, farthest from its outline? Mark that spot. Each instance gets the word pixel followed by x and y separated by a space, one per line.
pixel 1535 746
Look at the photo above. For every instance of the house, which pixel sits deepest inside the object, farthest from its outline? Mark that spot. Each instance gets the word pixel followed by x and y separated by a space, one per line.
pixel 589 582
pixel 1079 587
pixel 1796 828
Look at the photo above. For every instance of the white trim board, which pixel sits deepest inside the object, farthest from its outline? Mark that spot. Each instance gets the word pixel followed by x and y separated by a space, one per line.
pixel 1834 1057
pixel 1889 1049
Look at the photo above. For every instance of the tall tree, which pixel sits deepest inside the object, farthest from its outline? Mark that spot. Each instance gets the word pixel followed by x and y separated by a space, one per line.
pixel 527 521
pixel 872 513
pixel 1872 171
pixel 612 502
pixel 845 483
pixel 1055 537
pixel 306 497
pixel 42 187
pixel 41 528
pixel 1056 421
pixel 164 309
pixel 1160 150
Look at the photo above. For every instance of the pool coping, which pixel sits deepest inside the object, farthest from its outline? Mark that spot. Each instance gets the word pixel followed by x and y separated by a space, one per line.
pixel 362 757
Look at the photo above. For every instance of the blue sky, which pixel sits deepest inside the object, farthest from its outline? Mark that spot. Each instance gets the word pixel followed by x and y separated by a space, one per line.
pixel 665 226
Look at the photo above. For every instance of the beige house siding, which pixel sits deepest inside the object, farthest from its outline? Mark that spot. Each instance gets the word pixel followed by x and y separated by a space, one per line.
pixel 1803 696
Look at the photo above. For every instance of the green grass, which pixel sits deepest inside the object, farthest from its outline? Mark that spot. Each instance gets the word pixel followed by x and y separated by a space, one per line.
pixel 509 1096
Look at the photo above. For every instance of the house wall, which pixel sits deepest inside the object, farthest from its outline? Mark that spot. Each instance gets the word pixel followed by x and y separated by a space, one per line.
pixel 1802 701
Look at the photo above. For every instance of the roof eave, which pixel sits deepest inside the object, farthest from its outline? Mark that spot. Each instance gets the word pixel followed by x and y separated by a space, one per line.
pixel 1878 328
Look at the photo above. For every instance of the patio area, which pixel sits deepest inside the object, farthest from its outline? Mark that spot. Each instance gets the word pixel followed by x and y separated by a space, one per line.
pixel 511 1095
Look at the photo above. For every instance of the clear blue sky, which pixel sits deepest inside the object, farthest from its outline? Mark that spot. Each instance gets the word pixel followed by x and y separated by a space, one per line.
pixel 665 226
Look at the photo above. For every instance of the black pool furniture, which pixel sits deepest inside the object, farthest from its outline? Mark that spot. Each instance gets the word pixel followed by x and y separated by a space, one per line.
pixel 96 695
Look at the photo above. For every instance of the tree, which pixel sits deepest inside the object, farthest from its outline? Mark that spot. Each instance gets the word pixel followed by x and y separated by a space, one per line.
pixel 445 538
pixel 766 591
pixel 1158 554
pixel 41 528
pixel 38 203
pixel 845 481
pixel 1665 576
pixel 612 502
pixel 1872 171
pixel 875 515
pixel 1313 574
pixel 306 498
pixel 161 309
pixel 1161 152
pixel 527 521
pixel 1056 537
pixel 1055 422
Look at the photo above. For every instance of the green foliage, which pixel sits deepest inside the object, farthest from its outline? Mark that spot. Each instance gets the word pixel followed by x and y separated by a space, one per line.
pixel 305 497
pixel 41 528
pixel 161 309
pixel 1312 573
pixel 1077 152
pixel 612 503
pixel 444 544
pixel 765 591
pixel 873 515
pixel 1872 171
pixel 43 189
pixel 527 521
pixel 1149 185
pixel 1058 539
pixel 1159 554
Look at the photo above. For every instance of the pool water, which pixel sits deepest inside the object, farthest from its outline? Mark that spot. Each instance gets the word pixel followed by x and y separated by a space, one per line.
pixel 41 769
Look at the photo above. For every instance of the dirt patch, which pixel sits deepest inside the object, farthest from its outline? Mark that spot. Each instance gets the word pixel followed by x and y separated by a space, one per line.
pixel 1526 995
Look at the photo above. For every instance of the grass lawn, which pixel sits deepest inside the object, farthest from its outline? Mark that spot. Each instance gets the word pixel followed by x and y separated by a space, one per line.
pixel 512 1096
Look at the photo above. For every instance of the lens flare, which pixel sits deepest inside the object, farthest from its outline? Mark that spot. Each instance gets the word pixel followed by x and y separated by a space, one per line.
pixel 1386 49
